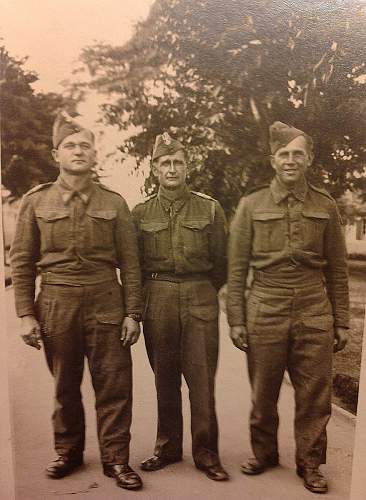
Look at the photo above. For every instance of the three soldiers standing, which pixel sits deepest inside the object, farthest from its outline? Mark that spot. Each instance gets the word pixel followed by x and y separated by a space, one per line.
pixel 76 233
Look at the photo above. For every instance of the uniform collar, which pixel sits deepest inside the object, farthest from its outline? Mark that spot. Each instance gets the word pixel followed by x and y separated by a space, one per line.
pixel 280 192
pixel 67 192
pixel 169 197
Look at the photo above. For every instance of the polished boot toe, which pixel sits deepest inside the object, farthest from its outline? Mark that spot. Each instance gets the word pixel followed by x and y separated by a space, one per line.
pixel 155 463
pixel 253 466
pixel 123 474
pixel 215 472
pixel 314 480
pixel 63 466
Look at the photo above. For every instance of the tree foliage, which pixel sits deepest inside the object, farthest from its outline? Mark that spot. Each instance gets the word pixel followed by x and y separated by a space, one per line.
pixel 216 74
pixel 26 125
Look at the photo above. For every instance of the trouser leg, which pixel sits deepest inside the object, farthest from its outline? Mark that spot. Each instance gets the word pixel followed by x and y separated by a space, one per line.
pixel 310 369
pixel 266 368
pixel 58 312
pixel 199 363
pixel 162 332
pixel 111 372
pixel 267 358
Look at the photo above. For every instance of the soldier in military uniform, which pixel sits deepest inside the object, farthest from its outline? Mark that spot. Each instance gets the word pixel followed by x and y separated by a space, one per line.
pixel 182 240
pixel 296 312
pixel 76 233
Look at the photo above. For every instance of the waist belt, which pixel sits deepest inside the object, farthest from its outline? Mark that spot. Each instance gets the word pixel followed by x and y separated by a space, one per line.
pixel 177 278
pixel 92 278
pixel 299 278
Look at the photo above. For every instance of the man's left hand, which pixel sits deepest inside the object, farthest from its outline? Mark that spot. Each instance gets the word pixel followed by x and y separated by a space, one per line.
pixel 340 338
pixel 130 332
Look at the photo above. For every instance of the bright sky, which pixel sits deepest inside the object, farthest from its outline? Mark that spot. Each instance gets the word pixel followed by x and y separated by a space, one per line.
pixel 53 32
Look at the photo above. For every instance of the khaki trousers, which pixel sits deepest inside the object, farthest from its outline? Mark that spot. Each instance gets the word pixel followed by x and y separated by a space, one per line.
pixel 290 328
pixel 181 336
pixel 78 322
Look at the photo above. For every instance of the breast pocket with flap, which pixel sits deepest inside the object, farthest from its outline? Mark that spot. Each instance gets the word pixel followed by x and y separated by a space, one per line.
pixel 269 231
pixel 156 239
pixel 54 225
pixel 102 223
pixel 313 225
pixel 195 234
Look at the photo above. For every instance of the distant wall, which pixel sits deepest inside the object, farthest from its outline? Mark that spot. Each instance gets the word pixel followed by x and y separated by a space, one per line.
pixel 356 237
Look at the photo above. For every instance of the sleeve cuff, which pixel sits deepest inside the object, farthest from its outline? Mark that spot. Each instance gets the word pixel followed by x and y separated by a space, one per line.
pixel 25 311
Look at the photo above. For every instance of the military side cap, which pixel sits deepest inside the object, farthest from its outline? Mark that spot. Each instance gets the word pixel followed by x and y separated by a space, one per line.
pixel 165 145
pixel 281 134
pixel 65 125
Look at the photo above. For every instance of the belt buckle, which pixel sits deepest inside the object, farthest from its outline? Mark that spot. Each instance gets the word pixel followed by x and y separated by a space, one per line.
pixel 154 275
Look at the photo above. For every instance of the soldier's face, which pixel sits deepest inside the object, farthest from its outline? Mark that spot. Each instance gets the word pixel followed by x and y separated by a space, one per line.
pixel 291 161
pixel 76 154
pixel 171 170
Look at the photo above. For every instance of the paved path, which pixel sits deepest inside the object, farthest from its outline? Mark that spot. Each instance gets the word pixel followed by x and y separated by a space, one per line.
pixel 31 400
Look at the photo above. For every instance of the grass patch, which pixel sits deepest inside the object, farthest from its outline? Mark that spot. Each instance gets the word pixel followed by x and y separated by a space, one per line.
pixel 347 363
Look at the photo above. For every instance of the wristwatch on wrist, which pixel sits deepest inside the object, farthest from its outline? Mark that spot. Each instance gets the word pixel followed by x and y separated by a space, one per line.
pixel 134 316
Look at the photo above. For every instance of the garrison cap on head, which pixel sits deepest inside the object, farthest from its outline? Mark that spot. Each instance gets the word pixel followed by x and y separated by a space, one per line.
pixel 165 145
pixel 65 125
pixel 281 134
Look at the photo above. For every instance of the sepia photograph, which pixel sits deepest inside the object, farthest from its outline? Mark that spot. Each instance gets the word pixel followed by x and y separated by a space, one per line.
pixel 183 187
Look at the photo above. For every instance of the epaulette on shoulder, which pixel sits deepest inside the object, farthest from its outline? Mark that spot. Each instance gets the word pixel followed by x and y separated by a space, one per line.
pixel 256 188
pixel 141 203
pixel 211 200
pixel 107 188
pixel 39 188
pixel 202 195
pixel 321 191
